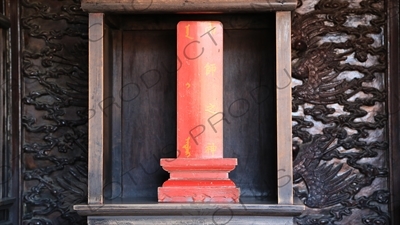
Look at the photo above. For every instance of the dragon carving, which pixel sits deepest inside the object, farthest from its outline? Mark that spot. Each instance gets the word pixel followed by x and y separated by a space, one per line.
pixel 338 111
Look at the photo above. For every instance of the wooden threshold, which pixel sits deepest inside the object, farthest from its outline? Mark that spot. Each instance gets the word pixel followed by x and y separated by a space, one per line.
pixel 140 207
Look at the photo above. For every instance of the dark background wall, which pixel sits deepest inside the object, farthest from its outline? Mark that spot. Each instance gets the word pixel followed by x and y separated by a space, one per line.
pixel 344 110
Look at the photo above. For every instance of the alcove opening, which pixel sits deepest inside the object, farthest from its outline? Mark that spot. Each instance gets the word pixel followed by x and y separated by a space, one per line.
pixel 141 103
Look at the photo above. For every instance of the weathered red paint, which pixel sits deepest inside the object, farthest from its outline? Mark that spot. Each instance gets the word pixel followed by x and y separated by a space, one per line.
pixel 200 173
pixel 199 86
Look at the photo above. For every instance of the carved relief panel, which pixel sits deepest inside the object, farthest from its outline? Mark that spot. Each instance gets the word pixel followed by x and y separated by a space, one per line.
pixel 339 109
pixel 340 140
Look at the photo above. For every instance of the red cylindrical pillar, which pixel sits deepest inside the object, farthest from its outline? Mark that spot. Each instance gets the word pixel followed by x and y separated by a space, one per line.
pixel 200 173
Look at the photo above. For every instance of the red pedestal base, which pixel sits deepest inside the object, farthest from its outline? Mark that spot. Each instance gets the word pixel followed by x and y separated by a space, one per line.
pixel 198 180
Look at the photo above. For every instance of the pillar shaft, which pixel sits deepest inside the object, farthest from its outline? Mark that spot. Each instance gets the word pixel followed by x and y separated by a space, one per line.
pixel 199 173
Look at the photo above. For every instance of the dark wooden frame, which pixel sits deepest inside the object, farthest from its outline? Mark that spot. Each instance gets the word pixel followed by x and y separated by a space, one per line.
pixel 98 92
pixel 393 83
pixel 6 201
pixel 180 6
pixel 11 190
pixel 16 82
pixel 99 126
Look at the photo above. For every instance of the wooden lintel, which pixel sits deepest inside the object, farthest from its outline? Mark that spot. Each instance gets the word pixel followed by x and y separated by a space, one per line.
pixel 183 6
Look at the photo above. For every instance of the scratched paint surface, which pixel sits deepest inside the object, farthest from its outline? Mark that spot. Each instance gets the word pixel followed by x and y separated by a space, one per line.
pixel 200 89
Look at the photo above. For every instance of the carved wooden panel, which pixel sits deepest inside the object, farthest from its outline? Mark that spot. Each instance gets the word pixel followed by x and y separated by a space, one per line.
pixel 339 89
pixel 54 110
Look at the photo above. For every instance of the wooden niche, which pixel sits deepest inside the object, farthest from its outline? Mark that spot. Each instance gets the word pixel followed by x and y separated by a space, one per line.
pixel 132 98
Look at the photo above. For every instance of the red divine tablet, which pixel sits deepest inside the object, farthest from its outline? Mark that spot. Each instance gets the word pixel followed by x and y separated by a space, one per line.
pixel 199 173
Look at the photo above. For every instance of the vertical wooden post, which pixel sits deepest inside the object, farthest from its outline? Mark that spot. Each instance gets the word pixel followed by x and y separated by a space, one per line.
pixel 393 83
pixel 284 107
pixel 96 118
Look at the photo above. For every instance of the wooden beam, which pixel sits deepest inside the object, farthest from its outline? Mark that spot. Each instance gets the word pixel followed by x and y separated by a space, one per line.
pixel 246 208
pixel 96 117
pixel 393 82
pixel 284 107
pixel 182 6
